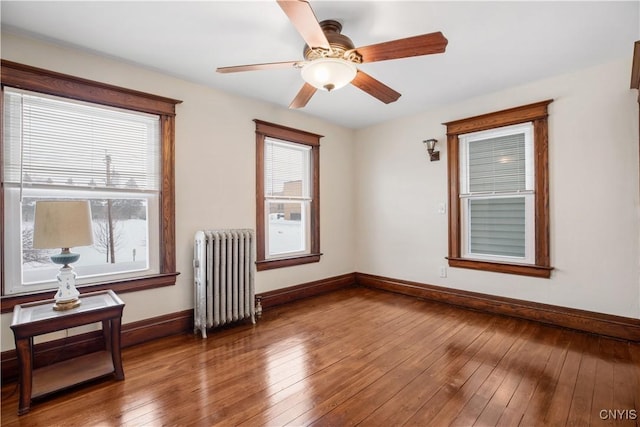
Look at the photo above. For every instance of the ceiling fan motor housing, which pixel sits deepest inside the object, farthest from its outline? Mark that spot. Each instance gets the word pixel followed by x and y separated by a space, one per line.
pixel 341 46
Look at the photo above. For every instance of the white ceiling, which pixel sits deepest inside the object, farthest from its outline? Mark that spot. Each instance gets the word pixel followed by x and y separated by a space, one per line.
pixel 492 45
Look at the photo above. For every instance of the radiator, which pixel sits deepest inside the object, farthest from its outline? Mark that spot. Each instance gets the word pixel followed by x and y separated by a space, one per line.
pixel 223 266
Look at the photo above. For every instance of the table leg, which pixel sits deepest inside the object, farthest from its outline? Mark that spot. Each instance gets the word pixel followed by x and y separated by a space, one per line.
pixel 25 359
pixel 106 334
pixel 115 348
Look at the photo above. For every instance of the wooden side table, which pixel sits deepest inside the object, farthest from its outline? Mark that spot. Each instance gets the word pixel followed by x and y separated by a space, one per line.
pixel 39 318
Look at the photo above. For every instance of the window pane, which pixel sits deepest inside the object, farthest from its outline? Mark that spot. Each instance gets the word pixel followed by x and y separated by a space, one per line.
pixel 497 226
pixel 286 227
pixel 497 164
pixel 120 244
pixel 286 169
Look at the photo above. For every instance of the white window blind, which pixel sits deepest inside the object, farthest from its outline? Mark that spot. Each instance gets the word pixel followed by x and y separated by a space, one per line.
pixel 497 179
pixel 286 170
pixel 54 141
pixel 497 226
pixel 497 164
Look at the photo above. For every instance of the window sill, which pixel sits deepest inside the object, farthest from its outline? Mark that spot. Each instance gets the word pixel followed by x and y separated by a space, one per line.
pixel 269 264
pixel 521 269
pixel 121 287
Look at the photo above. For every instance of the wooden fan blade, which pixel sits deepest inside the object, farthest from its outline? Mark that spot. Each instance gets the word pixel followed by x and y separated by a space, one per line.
pixel 425 44
pixel 303 96
pixel 254 67
pixel 375 88
pixel 302 17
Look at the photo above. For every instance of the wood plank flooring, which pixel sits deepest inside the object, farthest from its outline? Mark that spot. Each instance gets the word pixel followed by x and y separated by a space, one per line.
pixel 361 357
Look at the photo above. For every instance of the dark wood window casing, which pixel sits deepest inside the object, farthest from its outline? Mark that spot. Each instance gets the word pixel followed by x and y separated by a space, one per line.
pixel 52 83
pixel 536 114
pixel 635 75
pixel 263 130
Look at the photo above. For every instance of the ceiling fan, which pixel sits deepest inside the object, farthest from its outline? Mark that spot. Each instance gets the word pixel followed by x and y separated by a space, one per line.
pixel 330 58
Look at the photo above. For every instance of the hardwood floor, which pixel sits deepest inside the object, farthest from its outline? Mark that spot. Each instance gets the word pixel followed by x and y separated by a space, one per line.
pixel 360 356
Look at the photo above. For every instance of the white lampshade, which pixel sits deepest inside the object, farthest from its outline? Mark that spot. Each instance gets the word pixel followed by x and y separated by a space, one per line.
pixel 329 73
pixel 62 224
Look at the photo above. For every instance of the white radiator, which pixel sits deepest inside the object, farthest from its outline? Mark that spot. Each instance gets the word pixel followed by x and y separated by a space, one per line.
pixel 223 267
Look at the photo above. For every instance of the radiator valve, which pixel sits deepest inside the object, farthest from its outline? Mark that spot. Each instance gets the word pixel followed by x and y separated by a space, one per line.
pixel 258 307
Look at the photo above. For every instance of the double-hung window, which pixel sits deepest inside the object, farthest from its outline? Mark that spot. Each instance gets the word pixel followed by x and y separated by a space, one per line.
pixel 499 191
pixel 69 138
pixel 287 196
pixel 56 148
pixel 497 194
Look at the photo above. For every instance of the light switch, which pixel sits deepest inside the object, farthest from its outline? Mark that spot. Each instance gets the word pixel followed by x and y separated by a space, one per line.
pixel 443 271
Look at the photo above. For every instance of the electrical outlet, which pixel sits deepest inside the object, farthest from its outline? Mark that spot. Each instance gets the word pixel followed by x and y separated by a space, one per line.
pixel 443 271
pixel 442 208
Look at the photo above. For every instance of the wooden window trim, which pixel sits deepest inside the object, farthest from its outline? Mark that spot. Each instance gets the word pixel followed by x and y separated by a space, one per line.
pixel 265 129
pixel 635 75
pixel 635 68
pixel 536 113
pixel 53 83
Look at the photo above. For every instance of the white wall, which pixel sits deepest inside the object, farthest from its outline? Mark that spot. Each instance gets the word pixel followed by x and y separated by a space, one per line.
pixel 215 171
pixel 393 228
pixel 593 153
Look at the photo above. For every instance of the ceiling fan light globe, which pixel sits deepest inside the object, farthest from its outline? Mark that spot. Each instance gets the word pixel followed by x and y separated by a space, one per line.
pixel 329 73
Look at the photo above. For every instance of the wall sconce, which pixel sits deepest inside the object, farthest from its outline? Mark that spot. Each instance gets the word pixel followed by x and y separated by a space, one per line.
pixel 431 145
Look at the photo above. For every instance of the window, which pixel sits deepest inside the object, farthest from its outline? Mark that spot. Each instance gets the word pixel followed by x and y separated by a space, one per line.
pixel 68 138
pixel 57 148
pixel 498 192
pixel 287 196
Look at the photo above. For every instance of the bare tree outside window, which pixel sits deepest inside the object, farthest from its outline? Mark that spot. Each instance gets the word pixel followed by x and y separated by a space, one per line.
pixel 29 254
pixel 111 257
pixel 107 238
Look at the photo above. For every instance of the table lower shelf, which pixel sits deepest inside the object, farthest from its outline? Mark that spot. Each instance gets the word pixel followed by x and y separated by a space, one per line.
pixel 71 372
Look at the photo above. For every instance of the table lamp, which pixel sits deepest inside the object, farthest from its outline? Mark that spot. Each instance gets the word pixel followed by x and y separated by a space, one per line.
pixel 63 224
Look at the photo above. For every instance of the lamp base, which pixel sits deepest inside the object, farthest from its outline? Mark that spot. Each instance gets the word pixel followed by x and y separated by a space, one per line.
pixel 66 305
pixel 67 295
